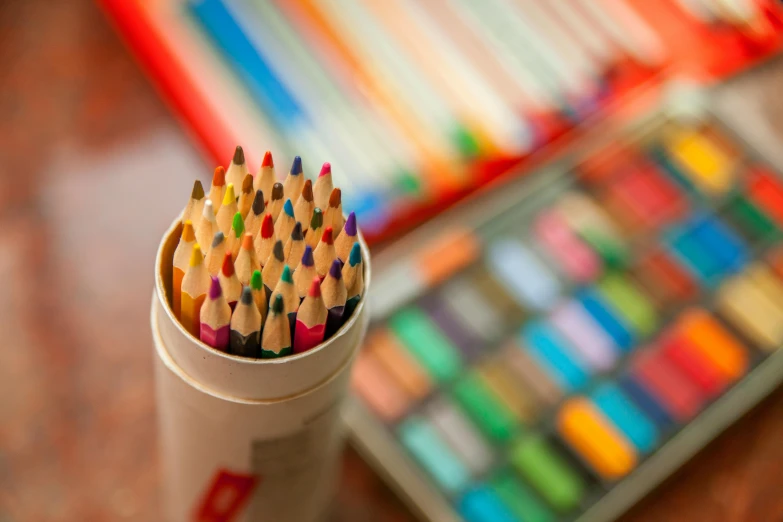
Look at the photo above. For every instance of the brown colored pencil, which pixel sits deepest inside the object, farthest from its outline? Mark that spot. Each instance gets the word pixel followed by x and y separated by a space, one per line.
pixel 303 210
pixel 195 205
pixel 256 215
pixel 237 169
pixel 246 196
pixel 333 217
pixel 276 201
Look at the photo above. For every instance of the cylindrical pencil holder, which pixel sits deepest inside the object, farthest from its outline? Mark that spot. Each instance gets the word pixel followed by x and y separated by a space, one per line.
pixel 247 439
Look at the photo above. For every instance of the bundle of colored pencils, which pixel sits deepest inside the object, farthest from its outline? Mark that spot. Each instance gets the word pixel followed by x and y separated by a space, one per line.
pixel 268 270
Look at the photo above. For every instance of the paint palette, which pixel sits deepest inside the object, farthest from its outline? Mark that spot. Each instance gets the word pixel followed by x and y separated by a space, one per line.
pixel 600 323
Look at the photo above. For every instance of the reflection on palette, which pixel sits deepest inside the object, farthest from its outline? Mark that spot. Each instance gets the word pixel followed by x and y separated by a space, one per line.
pixel 534 369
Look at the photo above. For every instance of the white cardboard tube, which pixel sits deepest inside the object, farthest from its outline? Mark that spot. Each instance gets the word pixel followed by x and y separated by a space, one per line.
pixel 260 439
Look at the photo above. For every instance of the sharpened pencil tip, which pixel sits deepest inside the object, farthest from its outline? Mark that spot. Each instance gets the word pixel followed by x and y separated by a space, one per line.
pixel 258 203
pixel 286 275
pixel 247 184
pixel 315 287
pixel 327 236
pixel 217 239
pixel 247 296
pixel 307 257
pixel 247 241
pixel 296 166
pixel 267 227
pixel 356 254
pixel 238 225
pixel 277 251
pixel 214 288
pixel 196 257
pixel 277 191
pixel 230 196
pixel 336 270
pixel 307 191
pixel 277 305
pixel 317 220
pixel 350 224
pixel 296 232
pixel 288 207
pixel 188 234
pixel 198 190
pixel 219 176
pixel 239 156
pixel 256 282
pixel 227 269
pixel 209 209
pixel 326 168
pixel 268 161
pixel 335 198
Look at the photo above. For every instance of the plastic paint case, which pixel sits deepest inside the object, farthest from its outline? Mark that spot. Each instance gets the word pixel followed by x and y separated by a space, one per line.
pixel 248 439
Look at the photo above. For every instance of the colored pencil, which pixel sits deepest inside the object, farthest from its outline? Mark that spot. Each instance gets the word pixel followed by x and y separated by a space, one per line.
pixel 305 271
pixel 181 261
pixel 276 336
pixel 246 261
pixel 285 222
pixel 195 206
pixel 245 339
pixel 285 287
pixel 246 196
pixel 229 281
pixel 324 253
pixel 346 238
pixel 266 178
pixel 292 186
pixel 266 240
pixel 195 285
pixel 207 225
pixel 276 201
pixel 315 231
pixel 303 210
pixel 218 188
pixel 217 250
pixel 295 245
pixel 323 186
pixel 260 296
pixel 215 318
pixel 273 267
pixel 237 169
pixel 335 296
pixel 333 217
pixel 311 319
pixel 234 240
pixel 353 276
pixel 225 216
pixel 256 215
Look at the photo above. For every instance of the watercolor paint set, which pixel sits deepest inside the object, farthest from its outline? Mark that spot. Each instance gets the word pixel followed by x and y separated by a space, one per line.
pixel 554 351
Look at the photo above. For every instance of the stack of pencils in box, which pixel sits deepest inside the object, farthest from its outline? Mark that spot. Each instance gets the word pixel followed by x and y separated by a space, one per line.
pixel 268 270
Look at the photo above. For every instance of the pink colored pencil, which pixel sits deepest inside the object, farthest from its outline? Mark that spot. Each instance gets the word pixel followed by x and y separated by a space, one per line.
pixel 310 320
pixel 215 327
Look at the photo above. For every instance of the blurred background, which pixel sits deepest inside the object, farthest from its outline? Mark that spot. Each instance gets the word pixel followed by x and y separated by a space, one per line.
pixel 103 129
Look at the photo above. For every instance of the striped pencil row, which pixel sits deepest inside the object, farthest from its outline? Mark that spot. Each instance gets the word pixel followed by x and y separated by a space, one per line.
pixel 279 275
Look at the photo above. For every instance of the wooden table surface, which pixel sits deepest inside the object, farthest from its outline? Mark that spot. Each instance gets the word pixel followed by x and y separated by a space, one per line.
pixel 88 157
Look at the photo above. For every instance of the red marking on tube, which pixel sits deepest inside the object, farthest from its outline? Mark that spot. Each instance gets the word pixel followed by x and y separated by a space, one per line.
pixel 226 496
